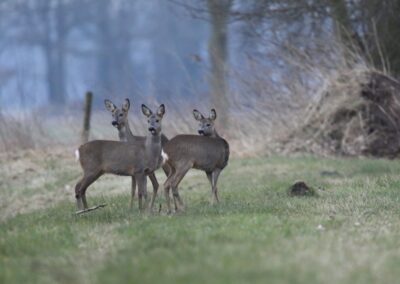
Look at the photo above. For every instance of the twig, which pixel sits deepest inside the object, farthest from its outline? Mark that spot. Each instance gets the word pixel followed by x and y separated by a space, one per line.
pixel 90 209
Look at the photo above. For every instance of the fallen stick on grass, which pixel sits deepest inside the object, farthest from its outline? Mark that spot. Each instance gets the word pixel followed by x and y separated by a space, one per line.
pixel 90 209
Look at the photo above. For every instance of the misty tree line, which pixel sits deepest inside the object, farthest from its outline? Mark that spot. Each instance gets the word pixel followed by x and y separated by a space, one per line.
pixel 370 28
pixel 105 35
pixel 104 28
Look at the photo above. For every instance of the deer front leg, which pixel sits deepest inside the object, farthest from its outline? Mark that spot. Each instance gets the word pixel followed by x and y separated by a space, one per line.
pixel 142 190
pixel 133 190
pixel 155 184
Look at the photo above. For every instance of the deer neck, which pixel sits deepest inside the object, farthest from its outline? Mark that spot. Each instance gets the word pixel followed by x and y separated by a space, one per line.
pixel 153 151
pixel 125 133
pixel 215 134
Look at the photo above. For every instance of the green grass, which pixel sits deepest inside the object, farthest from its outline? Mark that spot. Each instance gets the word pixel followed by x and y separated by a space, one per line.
pixel 350 233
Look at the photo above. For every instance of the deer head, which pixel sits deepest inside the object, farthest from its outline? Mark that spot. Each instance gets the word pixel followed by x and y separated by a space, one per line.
pixel 154 119
pixel 206 125
pixel 120 116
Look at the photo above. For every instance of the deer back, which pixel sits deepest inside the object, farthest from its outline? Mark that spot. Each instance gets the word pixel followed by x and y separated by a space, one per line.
pixel 204 153
pixel 102 156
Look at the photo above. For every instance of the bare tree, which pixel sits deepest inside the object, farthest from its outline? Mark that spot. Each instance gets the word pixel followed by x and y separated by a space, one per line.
pixel 47 24
pixel 113 38
pixel 219 11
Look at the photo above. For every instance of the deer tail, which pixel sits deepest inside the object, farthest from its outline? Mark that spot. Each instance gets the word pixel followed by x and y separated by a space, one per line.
pixel 77 155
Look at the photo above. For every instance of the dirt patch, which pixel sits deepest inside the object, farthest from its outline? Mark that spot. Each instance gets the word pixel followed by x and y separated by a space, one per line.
pixel 358 114
pixel 300 188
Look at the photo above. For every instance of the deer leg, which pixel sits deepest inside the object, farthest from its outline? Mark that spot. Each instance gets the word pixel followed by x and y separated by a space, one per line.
pixel 133 189
pixel 215 175
pixel 80 189
pixel 85 205
pixel 155 184
pixel 167 186
pixel 79 203
pixel 142 190
pixel 181 206
pixel 167 170
pixel 179 175
pixel 209 177
pixel 175 201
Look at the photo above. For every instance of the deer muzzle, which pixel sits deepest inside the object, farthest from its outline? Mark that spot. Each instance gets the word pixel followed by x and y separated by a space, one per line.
pixel 152 130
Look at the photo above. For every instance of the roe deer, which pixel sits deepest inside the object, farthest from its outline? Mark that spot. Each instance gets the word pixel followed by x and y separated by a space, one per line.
pixel 121 122
pixel 208 152
pixel 136 159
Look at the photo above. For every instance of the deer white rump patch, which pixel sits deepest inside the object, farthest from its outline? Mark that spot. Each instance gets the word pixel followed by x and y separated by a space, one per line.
pixel 164 157
pixel 77 155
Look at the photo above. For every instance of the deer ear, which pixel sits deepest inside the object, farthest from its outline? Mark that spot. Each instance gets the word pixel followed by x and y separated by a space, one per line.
pixel 197 115
pixel 146 111
pixel 213 114
pixel 125 105
pixel 109 106
pixel 161 110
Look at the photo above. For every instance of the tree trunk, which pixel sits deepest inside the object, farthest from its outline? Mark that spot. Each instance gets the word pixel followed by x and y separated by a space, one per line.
pixel 104 52
pixel 218 51
pixel 54 50
pixel 114 66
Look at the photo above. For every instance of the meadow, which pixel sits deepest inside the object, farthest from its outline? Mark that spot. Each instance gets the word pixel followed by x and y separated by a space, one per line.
pixel 348 233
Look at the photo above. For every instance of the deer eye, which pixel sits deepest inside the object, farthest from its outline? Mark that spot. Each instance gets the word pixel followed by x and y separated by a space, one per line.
pixel 120 114
pixel 208 125
pixel 157 120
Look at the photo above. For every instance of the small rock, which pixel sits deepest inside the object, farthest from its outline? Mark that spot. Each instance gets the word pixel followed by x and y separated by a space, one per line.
pixel 320 227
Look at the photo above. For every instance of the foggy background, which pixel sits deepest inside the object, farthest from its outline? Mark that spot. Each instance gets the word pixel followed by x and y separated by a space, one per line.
pixel 259 63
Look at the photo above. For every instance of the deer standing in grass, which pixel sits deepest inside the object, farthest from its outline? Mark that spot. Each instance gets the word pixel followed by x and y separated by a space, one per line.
pixel 121 122
pixel 207 152
pixel 137 159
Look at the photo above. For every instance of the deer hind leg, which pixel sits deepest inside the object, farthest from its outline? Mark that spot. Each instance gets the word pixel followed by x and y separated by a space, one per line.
pixel 178 176
pixel 85 205
pixel 167 184
pixel 167 187
pixel 215 175
pixel 81 187
pixel 155 184
pixel 79 202
pixel 133 189
pixel 167 169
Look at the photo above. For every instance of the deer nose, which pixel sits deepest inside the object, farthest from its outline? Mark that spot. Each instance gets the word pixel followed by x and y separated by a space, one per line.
pixel 201 132
pixel 152 129
pixel 114 123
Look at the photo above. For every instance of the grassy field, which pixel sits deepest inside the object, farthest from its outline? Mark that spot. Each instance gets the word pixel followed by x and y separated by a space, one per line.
pixel 350 233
